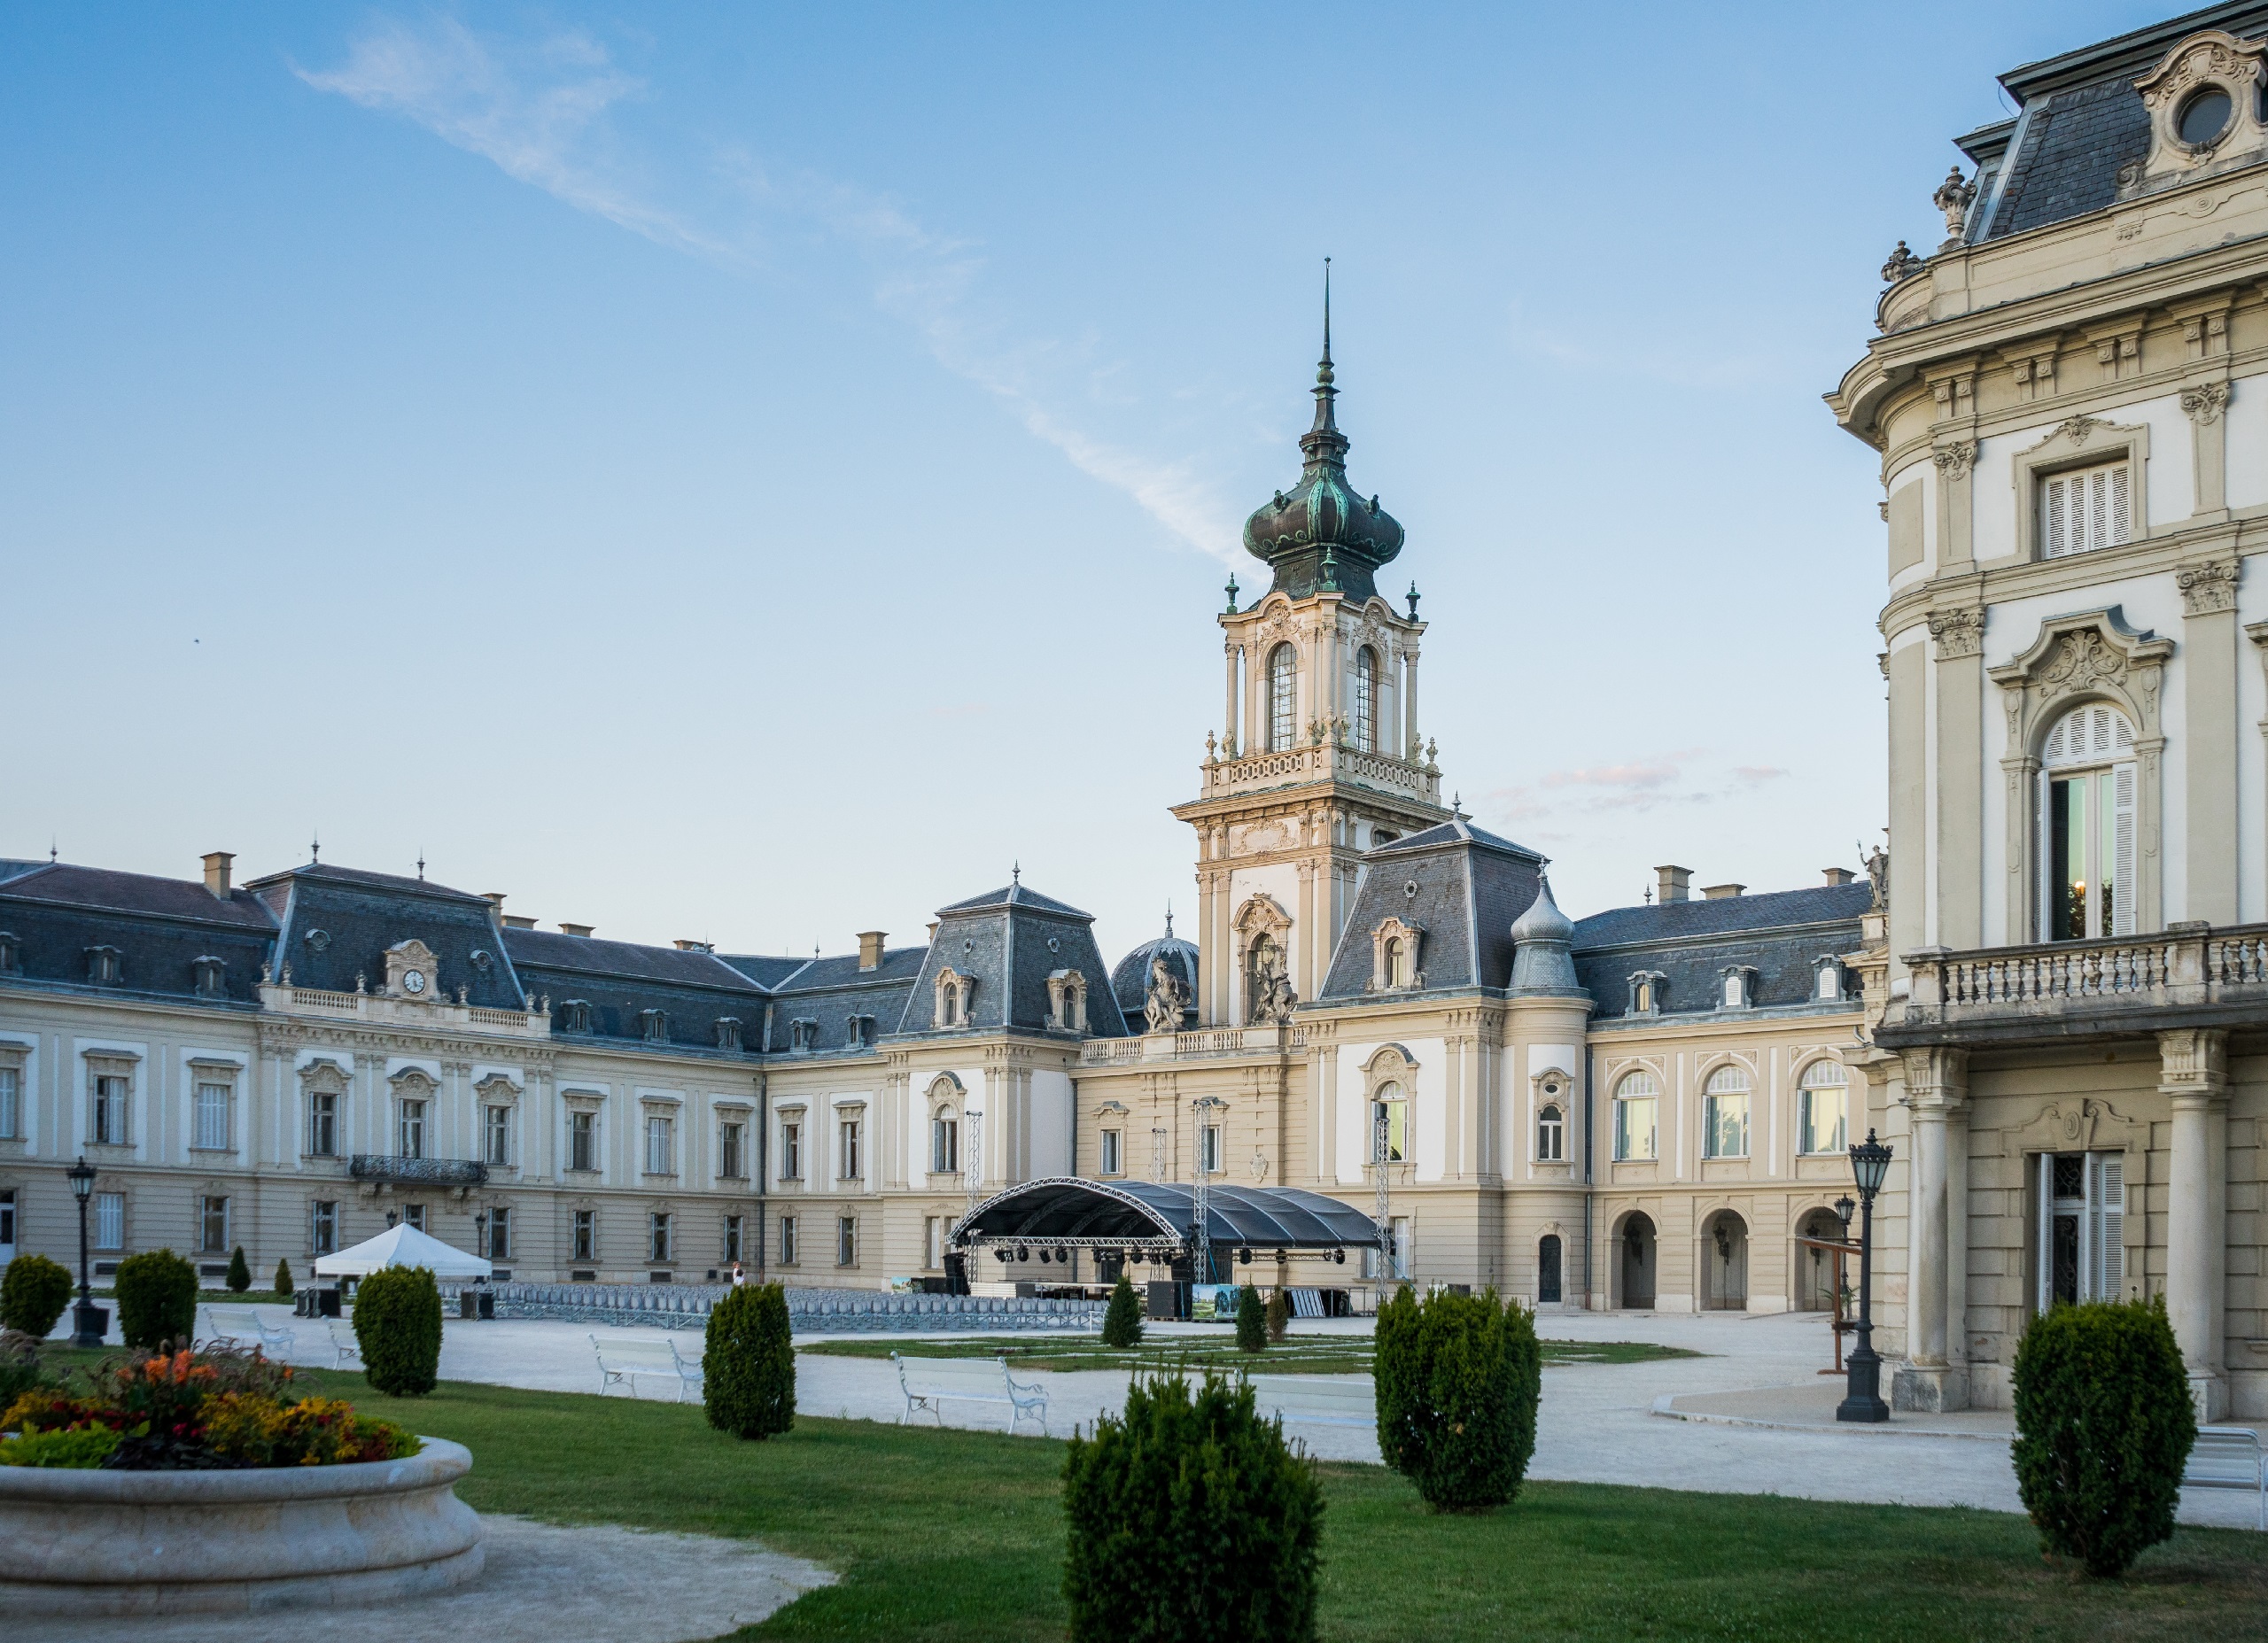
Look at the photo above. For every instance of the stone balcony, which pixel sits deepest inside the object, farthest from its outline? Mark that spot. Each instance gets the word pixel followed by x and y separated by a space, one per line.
pixel 417 1014
pixel 389 1169
pixel 2190 975
pixel 1205 1043
pixel 1325 760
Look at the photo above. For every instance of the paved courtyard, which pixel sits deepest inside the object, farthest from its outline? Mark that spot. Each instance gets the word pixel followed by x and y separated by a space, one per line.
pixel 1754 1416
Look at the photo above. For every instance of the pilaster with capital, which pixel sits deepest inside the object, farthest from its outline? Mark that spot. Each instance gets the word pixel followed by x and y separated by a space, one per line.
pixel 2193 1075
pixel 1936 1088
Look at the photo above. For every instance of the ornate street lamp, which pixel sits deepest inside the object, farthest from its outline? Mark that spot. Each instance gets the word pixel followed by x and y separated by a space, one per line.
pixel 89 1322
pixel 1863 1396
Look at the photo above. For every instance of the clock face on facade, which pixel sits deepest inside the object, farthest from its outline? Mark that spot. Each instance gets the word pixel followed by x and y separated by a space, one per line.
pixel 413 982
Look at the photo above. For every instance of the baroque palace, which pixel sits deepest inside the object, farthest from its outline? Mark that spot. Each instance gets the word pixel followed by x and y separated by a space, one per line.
pixel 2050 1007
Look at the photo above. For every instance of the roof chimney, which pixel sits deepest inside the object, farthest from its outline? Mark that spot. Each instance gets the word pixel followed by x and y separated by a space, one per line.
pixel 1674 884
pixel 870 949
pixel 216 874
pixel 516 921
pixel 495 898
pixel 1838 875
pixel 573 929
pixel 1723 891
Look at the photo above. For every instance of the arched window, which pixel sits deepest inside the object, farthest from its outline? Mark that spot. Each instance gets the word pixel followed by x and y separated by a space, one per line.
pixel 1724 1114
pixel 1637 1109
pixel 1366 699
pixel 1283 698
pixel 1397 962
pixel 1550 1135
pixel 1824 1107
pixel 2086 813
pixel 1390 1125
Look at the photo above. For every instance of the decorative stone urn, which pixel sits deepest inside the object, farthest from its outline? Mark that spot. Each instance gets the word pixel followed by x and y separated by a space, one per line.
pixel 91 1542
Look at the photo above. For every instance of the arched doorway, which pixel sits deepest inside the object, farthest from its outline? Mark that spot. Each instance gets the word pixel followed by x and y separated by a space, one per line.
pixel 1547 1285
pixel 1724 1263
pixel 1815 1268
pixel 1636 1259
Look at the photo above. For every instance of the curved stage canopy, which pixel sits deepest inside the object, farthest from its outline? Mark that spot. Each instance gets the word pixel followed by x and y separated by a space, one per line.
pixel 1070 1210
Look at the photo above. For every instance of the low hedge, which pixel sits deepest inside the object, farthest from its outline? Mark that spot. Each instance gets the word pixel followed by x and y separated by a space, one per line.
pixel 1457 1379
pixel 34 1293
pixel 398 1326
pixel 2104 1427
pixel 747 1363
pixel 156 1292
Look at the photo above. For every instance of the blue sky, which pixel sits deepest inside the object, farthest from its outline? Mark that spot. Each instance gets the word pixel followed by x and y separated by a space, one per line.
pixel 754 474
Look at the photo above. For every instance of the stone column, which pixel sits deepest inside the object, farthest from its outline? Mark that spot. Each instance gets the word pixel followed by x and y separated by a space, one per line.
pixel 2193 1075
pixel 1959 637
pixel 2208 690
pixel 1229 701
pixel 1409 748
pixel 1937 1082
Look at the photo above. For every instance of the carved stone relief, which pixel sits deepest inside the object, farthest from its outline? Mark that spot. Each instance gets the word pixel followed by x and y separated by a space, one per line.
pixel 1958 634
pixel 2208 587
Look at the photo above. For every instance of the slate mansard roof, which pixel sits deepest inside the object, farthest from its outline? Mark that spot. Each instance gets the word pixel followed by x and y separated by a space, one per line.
pixel 1781 935
pixel 1461 887
pixel 1009 941
pixel 2081 122
pixel 53 915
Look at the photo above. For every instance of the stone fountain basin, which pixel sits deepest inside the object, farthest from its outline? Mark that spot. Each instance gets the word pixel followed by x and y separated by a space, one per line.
pixel 167 1543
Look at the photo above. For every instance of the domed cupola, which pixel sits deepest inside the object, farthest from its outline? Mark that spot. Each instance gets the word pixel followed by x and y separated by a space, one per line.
pixel 1129 981
pixel 1320 536
pixel 1541 939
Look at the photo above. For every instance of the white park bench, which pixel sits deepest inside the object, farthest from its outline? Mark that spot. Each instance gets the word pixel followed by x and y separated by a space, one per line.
pixel 1317 1399
pixel 2229 1457
pixel 623 1360
pixel 241 1327
pixel 931 1383
pixel 345 1344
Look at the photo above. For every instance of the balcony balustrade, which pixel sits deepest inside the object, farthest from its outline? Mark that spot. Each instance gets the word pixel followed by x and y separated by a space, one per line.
pixel 1204 1044
pixel 387 1168
pixel 1323 761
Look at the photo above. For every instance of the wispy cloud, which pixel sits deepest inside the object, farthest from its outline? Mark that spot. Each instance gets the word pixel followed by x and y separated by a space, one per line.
pixel 544 112
pixel 1688 777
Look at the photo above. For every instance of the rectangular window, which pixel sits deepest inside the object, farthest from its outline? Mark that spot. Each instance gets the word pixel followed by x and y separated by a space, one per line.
pixel 728 1153
pixel 582 1141
pixel 1824 1121
pixel 933 1243
pixel 944 1146
pixel 412 1216
pixel 2084 510
pixel 213 1227
pixel 1113 1153
pixel 12 1104
pixel 732 1240
pixel 791 1152
pixel 323 1126
pixel 846 1241
pixel 110 1221
pixel 849 1128
pixel 213 1117
pixel 1725 1125
pixel 2090 854
pixel 110 1108
pixel 1208 1149
pixel 413 1130
pixel 500 1234
pixel 658 1240
pixel 661 1144
pixel 788 1249
pixel 586 1245
pixel 323 1226
pixel 500 1135
pixel 8 1223
pixel 1550 1137
pixel 2081 1247
pixel 1633 1126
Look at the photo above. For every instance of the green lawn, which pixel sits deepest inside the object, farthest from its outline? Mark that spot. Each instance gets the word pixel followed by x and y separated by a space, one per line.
pixel 1313 1354
pixel 953 1535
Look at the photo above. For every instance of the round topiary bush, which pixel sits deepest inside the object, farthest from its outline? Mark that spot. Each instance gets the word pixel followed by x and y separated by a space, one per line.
pixel 1121 1322
pixel 157 1300
pixel 283 1277
pixel 239 1271
pixel 1252 1320
pixel 34 1292
pixel 2104 1427
pixel 1457 1379
pixel 398 1326
pixel 747 1363
pixel 1190 1518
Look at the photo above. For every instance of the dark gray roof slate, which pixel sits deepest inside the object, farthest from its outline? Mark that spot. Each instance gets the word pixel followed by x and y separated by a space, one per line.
pixel 1780 935
pixel 629 960
pixel 1463 885
pixel 1664 921
pixel 71 885
pixel 1017 894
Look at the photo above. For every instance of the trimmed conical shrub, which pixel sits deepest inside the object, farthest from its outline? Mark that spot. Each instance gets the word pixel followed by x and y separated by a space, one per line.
pixel 1457 1379
pixel 283 1277
pixel 748 1363
pixel 1122 1323
pixel 2104 1427
pixel 1279 1317
pixel 1252 1320
pixel 239 1271
pixel 398 1326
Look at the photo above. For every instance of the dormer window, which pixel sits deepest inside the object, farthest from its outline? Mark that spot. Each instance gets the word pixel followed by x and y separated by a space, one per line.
pixel 2204 117
pixel 104 965
pixel 1067 1002
pixel 1647 988
pixel 803 1034
pixel 208 975
pixel 955 992
pixel 1739 987
pixel 1827 979
pixel 1394 955
pixel 653 1026
pixel 728 1032
pixel 12 951
pixel 575 1015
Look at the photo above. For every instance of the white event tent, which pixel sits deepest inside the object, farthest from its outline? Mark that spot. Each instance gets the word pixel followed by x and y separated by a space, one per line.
pixel 401 1245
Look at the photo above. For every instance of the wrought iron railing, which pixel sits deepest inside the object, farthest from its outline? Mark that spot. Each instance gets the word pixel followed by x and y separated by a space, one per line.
pixel 423 1172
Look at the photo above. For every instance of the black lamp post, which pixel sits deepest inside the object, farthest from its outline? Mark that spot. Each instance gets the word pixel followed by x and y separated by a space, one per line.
pixel 89 1322
pixel 1863 1397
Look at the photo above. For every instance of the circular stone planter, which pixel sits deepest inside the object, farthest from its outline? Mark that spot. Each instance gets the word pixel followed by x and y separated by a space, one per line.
pixel 168 1543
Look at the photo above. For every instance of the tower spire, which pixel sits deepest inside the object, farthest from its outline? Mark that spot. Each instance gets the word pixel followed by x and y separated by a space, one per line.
pixel 1332 447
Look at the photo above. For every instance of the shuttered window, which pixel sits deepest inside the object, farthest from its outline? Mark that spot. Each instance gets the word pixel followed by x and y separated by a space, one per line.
pixel 2081 1253
pixel 2084 510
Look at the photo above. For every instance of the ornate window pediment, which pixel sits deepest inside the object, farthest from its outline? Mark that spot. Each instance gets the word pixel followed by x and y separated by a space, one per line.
pixel 497 1091
pixel 956 993
pixel 1394 956
pixel 1067 1001
pixel 2204 100
pixel 415 1082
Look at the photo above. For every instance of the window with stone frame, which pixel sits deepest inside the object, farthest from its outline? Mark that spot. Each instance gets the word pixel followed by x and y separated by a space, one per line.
pixel 732 1240
pixel 500 1232
pixel 1637 1111
pixel 1114 1161
pixel 660 1144
pixel 499 1131
pixel 1724 1113
pixel 658 1237
pixel 112 1089
pixel 790 1249
pixel 323 1226
pixel 945 1144
pixel 11 1092
pixel 410 1128
pixel 1283 698
pixel 1551 1133
pixel 2081 510
pixel 730 1165
pixel 211 1105
pixel 323 1124
pixel 583 1236
pixel 1390 1123
pixel 110 1221
pixel 849 1131
pixel 213 1224
pixel 1365 727
pixel 846 1241
pixel 583 1140
pixel 791 1149
pixel 1823 1108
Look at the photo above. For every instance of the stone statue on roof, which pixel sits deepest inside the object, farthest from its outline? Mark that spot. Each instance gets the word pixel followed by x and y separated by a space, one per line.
pixel 1167 1000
